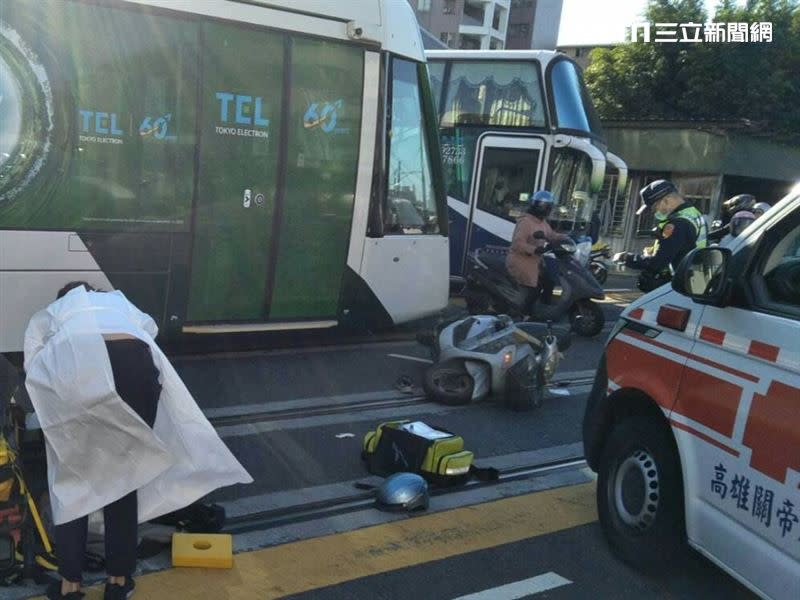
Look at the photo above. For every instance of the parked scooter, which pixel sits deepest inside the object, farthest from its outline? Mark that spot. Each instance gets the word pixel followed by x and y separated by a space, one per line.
pixel 491 355
pixel 489 286
pixel 598 266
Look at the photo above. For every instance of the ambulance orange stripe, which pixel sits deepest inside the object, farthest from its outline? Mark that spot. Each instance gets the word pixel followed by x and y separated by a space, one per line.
pixel 631 367
pixel 700 359
pixel 709 400
pixel 765 351
pixel 712 336
pixel 704 437
pixel 771 431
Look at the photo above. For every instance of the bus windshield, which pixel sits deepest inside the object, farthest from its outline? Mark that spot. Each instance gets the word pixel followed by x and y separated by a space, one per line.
pixel 485 92
pixel 571 185
pixel 573 106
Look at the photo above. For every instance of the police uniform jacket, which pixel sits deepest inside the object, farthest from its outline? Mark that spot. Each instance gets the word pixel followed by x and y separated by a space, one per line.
pixel 684 230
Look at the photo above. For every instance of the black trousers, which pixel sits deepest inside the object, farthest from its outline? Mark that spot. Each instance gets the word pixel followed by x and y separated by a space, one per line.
pixel 136 381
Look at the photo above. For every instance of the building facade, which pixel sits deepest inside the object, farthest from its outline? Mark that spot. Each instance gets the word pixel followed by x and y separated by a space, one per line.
pixel 465 24
pixel 533 24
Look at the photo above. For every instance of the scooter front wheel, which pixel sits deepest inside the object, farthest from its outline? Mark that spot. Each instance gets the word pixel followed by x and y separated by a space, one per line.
pixel 449 383
pixel 600 273
pixel 587 318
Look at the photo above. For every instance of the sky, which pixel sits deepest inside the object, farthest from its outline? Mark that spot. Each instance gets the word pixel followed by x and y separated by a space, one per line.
pixel 587 22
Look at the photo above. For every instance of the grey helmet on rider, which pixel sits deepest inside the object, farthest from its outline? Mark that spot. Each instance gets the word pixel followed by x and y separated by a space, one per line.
pixel 541 204
pixel 760 208
pixel 740 221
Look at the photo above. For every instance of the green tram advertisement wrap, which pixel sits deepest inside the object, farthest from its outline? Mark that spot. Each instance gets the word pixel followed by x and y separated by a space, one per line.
pixel 208 167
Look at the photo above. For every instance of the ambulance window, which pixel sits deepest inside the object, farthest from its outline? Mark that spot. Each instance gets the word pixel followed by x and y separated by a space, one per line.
pixel 778 282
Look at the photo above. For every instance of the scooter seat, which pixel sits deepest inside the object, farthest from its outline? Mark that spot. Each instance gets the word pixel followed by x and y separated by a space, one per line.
pixel 495 262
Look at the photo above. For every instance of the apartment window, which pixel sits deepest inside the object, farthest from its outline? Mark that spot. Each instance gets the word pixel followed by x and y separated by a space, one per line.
pixel 424 5
pixel 448 38
pixel 498 14
pixel 449 7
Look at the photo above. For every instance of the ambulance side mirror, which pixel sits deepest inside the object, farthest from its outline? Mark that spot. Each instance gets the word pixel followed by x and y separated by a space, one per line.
pixel 703 276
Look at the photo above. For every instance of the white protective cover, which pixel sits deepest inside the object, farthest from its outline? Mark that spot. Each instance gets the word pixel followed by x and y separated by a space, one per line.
pixel 98 448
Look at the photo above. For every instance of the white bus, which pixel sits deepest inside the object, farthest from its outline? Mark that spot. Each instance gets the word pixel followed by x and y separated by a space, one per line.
pixel 513 121
pixel 230 166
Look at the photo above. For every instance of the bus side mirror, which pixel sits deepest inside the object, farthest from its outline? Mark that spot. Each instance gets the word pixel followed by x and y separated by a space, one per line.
pixel 703 276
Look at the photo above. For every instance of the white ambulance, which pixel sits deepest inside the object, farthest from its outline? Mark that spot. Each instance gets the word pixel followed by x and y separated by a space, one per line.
pixel 693 424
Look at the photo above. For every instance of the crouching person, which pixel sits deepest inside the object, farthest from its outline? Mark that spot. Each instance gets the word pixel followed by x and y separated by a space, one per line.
pixel 122 432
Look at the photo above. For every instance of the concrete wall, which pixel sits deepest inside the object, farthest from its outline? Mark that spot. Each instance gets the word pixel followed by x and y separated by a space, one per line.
pixel 708 150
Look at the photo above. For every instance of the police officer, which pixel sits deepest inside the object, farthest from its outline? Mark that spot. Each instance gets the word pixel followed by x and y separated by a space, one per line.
pixel 684 229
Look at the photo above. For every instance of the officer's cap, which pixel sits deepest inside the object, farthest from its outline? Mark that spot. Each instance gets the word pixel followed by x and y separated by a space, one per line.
pixel 654 192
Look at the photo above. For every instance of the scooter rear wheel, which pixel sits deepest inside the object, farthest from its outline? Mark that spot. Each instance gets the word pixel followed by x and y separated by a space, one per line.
pixel 449 383
pixel 477 301
pixel 591 319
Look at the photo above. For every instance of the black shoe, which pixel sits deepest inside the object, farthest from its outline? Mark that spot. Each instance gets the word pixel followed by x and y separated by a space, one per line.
pixel 54 593
pixel 114 591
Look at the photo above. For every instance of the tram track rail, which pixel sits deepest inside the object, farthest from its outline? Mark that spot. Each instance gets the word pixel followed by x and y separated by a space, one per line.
pixel 400 401
pixel 365 500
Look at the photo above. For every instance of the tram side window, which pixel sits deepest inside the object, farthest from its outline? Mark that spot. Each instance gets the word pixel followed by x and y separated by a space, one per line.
pixel 492 93
pixel 97 123
pixel 411 200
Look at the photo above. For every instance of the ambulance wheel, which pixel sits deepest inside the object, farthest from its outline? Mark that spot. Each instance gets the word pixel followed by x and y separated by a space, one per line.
pixel 591 319
pixel 640 494
pixel 449 383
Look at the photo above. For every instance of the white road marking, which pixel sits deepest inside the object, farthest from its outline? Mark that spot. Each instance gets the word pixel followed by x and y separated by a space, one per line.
pixel 341 436
pixel 559 391
pixel 520 589
pixel 414 358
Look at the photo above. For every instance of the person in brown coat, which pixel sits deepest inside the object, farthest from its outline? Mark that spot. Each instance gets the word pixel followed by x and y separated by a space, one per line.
pixel 523 262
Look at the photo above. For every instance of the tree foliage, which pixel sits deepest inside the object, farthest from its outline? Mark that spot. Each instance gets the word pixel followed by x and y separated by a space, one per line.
pixel 754 81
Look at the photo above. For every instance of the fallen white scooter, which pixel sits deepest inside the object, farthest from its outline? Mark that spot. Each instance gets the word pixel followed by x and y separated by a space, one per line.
pixel 492 355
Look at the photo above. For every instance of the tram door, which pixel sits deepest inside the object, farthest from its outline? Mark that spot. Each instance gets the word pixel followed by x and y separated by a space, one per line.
pixel 509 168
pixel 238 175
pixel 276 184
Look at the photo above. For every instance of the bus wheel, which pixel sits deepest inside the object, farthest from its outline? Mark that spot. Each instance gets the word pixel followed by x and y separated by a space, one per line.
pixel 640 494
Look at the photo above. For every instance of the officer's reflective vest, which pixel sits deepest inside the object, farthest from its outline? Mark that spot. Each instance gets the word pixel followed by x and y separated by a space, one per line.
pixel 695 217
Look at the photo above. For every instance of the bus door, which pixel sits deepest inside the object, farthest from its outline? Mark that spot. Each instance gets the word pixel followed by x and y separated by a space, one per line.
pixel 508 169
